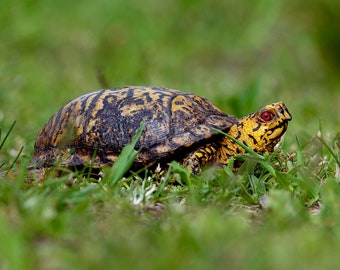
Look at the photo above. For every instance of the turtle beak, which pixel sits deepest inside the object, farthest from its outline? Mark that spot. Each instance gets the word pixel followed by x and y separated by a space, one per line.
pixel 285 114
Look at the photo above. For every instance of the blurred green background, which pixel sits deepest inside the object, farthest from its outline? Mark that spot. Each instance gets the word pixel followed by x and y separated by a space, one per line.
pixel 239 54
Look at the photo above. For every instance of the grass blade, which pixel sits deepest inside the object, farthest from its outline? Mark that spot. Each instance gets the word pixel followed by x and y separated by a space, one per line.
pixel 15 160
pixel 259 158
pixel 7 134
pixel 125 159
pixel 246 147
pixel 330 150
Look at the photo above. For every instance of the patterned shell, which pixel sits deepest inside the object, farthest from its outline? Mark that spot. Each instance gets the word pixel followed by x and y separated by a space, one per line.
pixel 96 126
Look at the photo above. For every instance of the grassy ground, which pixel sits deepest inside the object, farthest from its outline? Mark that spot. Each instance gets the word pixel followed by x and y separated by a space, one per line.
pixel 276 212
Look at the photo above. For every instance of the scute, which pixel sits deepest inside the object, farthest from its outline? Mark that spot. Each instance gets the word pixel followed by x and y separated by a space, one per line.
pixel 103 122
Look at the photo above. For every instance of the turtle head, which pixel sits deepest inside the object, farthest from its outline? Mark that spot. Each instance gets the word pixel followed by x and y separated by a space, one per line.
pixel 263 129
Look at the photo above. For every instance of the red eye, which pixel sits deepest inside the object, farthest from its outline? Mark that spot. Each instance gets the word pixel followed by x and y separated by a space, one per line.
pixel 266 116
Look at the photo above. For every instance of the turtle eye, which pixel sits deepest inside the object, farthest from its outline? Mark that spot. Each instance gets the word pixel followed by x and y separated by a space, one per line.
pixel 266 116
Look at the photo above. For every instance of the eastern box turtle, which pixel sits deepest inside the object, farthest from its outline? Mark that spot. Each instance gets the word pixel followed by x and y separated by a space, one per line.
pixel 91 130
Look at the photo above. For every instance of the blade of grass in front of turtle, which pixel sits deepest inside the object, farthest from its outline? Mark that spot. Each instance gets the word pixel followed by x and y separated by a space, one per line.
pixel 261 159
pixel 247 148
pixel 125 159
pixel 184 173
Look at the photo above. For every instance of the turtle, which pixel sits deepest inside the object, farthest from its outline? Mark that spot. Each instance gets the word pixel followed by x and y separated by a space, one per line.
pixel 92 129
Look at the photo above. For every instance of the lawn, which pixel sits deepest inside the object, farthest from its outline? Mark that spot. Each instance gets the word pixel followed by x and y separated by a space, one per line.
pixel 279 211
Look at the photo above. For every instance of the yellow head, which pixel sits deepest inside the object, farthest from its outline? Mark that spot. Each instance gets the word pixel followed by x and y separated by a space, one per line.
pixel 263 129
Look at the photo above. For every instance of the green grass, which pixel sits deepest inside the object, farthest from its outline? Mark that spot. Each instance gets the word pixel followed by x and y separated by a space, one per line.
pixel 278 211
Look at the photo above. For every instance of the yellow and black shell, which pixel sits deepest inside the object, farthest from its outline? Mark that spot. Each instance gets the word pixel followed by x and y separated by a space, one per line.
pixel 92 129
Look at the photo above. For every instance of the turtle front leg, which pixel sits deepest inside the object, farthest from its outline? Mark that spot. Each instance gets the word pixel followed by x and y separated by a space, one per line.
pixel 200 157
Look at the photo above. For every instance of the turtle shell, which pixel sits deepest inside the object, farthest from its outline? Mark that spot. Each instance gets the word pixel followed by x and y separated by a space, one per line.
pixel 93 128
